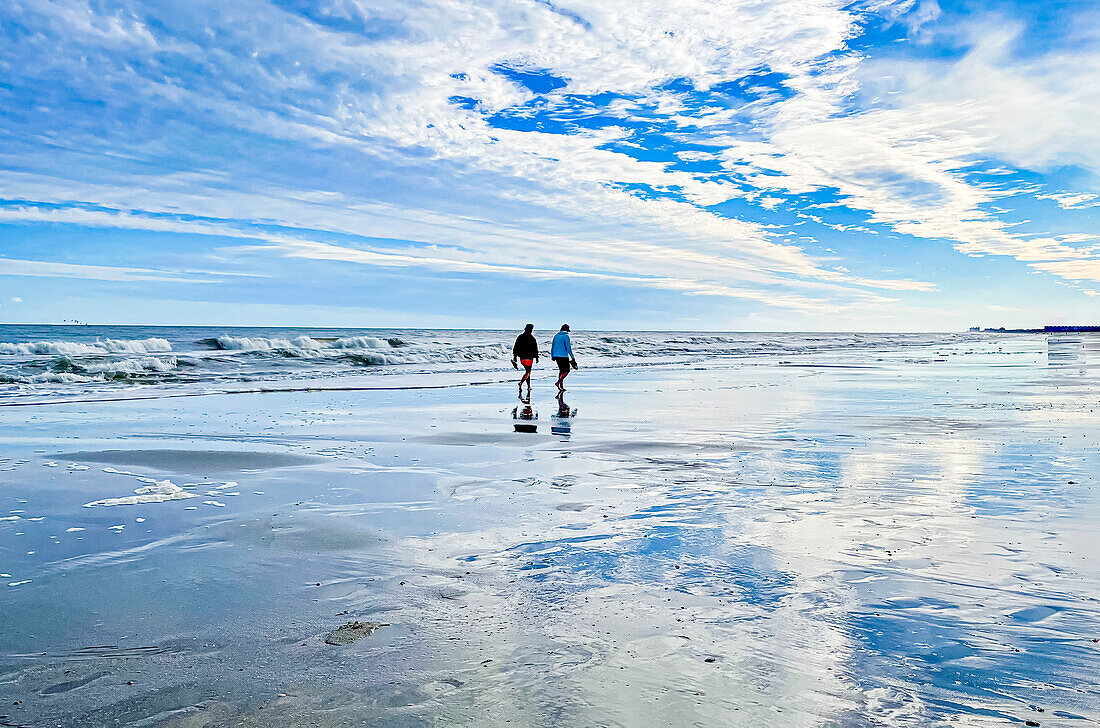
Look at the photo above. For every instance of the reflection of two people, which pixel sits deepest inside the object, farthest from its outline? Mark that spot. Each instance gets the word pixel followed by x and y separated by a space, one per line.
pixel 560 422
pixel 524 416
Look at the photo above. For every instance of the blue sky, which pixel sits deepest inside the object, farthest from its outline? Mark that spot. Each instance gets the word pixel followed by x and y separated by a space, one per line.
pixel 790 164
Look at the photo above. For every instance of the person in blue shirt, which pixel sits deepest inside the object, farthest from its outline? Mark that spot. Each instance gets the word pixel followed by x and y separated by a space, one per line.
pixel 561 351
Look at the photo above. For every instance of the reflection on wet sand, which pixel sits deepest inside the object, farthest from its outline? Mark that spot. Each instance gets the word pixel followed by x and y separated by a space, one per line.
pixel 909 543
pixel 561 423
pixel 524 416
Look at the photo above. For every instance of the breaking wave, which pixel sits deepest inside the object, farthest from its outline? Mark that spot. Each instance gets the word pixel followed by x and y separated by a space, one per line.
pixel 260 343
pixel 139 365
pixel 366 342
pixel 76 348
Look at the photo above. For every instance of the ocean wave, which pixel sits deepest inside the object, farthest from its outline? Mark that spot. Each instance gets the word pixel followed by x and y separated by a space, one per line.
pixel 77 348
pixel 298 343
pixel 260 343
pixel 365 360
pixel 364 342
pixel 446 355
pixel 77 378
pixel 140 365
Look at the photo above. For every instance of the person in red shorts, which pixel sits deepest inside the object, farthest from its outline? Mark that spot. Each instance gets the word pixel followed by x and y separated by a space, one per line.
pixel 526 350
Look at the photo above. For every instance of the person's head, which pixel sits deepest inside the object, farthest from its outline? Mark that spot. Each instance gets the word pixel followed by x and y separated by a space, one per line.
pixel 565 327
pixel 528 328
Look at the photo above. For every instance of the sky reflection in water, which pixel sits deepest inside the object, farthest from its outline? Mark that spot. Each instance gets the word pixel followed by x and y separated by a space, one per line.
pixel 905 541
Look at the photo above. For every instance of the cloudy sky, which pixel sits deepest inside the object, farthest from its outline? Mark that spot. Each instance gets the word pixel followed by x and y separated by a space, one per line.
pixel 698 164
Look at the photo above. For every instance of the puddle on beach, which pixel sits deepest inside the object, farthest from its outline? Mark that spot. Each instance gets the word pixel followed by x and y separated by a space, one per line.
pixel 909 544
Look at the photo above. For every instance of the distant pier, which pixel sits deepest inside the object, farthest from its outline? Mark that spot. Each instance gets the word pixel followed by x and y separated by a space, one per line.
pixel 1059 329
pixel 1044 330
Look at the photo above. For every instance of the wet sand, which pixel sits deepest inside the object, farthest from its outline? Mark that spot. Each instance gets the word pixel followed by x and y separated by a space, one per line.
pixel 908 540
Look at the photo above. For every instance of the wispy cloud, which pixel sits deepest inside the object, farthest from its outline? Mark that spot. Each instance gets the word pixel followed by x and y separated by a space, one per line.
pixel 677 146
pixel 46 269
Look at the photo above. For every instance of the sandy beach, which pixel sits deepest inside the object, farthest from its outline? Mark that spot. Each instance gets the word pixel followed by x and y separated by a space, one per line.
pixel 907 537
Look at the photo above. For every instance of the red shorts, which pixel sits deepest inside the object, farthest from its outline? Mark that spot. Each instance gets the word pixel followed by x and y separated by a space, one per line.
pixel 527 362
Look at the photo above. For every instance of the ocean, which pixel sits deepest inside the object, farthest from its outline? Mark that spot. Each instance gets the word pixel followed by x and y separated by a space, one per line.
pixel 43 363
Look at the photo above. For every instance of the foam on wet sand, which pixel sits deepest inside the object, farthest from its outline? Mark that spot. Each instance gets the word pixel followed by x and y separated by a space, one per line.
pixel 159 492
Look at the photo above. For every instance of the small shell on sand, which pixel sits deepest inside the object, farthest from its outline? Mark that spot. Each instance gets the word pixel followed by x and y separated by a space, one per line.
pixel 352 632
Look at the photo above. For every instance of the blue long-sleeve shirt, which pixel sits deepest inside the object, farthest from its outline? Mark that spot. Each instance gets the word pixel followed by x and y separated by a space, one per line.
pixel 561 348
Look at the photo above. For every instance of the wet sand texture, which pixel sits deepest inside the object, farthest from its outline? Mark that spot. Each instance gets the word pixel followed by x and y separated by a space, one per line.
pixel 763 543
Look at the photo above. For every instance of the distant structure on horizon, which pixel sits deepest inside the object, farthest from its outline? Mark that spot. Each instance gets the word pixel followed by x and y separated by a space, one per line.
pixel 1049 329
pixel 1055 329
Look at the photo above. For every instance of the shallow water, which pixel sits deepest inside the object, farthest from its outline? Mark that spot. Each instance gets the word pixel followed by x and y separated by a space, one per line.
pixel 907 537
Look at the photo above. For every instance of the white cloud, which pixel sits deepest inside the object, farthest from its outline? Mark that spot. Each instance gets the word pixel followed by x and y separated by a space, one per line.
pixel 404 109
pixel 905 164
pixel 1071 200
pixel 471 196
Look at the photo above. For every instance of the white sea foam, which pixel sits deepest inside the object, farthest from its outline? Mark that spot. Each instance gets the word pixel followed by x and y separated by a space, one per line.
pixel 59 378
pixel 159 492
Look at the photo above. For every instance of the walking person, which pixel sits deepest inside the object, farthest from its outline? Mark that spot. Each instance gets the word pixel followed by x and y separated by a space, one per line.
pixel 526 350
pixel 561 351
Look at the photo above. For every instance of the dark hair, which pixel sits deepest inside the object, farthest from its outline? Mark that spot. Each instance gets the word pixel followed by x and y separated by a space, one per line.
pixel 565 327
pixel 529 328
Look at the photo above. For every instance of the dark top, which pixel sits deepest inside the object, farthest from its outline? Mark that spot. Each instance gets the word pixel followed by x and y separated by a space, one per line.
pixel 525 347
